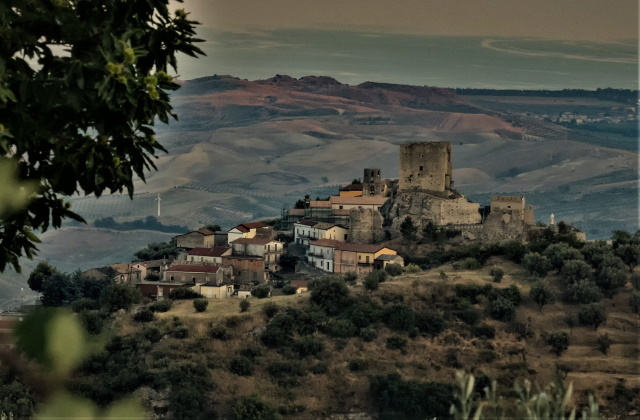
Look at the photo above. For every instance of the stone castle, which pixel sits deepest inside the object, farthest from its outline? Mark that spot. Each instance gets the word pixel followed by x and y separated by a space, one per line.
pixel 424 192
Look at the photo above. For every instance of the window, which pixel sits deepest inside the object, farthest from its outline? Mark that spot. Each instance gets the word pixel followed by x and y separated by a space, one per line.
pixel 327 265
pixel 172 278
pixel 340 207
pixel 367 259
pixel 421 168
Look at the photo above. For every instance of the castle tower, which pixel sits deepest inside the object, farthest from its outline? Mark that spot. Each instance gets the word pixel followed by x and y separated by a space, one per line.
pixel 371 175
pixel 372 183
pixel 425 166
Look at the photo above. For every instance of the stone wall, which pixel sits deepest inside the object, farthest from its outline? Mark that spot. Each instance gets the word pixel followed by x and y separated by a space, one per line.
pixel 425 166
pixel 504 226
pixel 459 211
pixel 365 226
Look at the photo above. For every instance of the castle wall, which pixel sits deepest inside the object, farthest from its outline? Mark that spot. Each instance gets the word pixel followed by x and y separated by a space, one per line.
pixel 365 226
pixel 507 202
pixel 425 166
pixel 459 211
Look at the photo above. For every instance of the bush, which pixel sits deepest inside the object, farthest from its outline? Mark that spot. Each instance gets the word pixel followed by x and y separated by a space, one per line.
pixel 270 309
pixel 85 304
pixel 379 275
pixel 251 407
pixel 487 356
pixel 502 309
pixel 610 278
pixel 319 369
pixel 368 334
pixel 184 293
pixel 358 365
pixel 332 295
pixel 574 270
pixel 115 297
pixel 396 343
pixel 308 346
pixel 451 359
pixel 219 332
pixel 467 264
pixel 400 318
pixel 200 305
pixel 583 291
pixel 470 315
pixel 350 278
pixel 341 328
pixel 241 366
pixel 511 293
pixel 484 331
pixel 559 342
pixel 592 314
pixel 430 323
pixel 91 321
pixel 180 332
pixel 244 305
pixel 536 264
pixel 261 292
pixel 289 290
pixel 285 372
pixel 412 269
pixel 604 342
pixel 161 305
pixel 371 283
pixel 144 315
pixel 497 274
pixel 152 334
pixel 393 269
pixel 251 352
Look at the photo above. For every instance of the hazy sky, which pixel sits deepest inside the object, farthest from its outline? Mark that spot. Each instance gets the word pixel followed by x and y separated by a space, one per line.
pixel 559 19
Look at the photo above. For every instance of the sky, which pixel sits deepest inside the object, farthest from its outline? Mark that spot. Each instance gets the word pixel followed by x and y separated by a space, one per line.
pixel 555 19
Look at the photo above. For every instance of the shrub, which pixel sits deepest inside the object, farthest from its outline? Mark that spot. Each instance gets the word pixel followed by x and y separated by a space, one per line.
pixel 275 336
pixel 412 269
pixel 583 291
pixel 241 366
pixel 350 278
pixel 400 318
pixel 219 332
pixel 541 295
pixel 85 304
pixel 368 334
pixel 116 296
pixel 592 314
pixel 161 305
pixel 152 334
pixel 430 323
pixel 467 264
pixel 574 270
pixel 379 275
pixel 559 342
pixel 536 264
pixel 634 302
pixel 560 254
pixel 289 290
pixel 200 305
pixel 180 332
pixel 451 359
pixel 144 315
pixel 470 315
pixel 270 309
pixel 91 321
pixel 502 309
pixel 487 356
pixel 358 365
pixel 497 274
pixel 308 346
pixel 341 328
pixel 371 283
pixel 332 295
pixel 251 352
pixel 393 269
pixel 511 293
pixel 610 278
pixel 184 293
pixel 244 305
pixel 319 369
pixel 261 292
pixel 604 342
pixel 484 331
pixel 396 343
pixel 251 407
pixel 285 372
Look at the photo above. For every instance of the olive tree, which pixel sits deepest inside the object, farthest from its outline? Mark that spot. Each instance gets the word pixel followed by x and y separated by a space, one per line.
pixel 82 84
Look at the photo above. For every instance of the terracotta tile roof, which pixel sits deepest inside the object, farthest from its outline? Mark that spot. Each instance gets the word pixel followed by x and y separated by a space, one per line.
pixel 352 187
pixel 152 263
pixel 206 232
pixel 216 251
pixel 326 226
pixel 326 242
pixel 296 212
pixel 212 284
pixel 241 257
pixel 387 257
pixel 319 203
pixel 363 201
pixel 253 241
pixel 194 268
pixel 307 222
pixel 246 227
pixel 300 283
pixel 124 268
pixel 373 248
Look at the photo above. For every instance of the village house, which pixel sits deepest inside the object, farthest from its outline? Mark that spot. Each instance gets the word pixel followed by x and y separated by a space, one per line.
pixel 201 238
pixel 151 270
pixel 358 258
pixel 216 291
pixel 270 250
pixel 351 190
pixel 306 231
pixel 302 231
pixel 249 230
pixel 194 274
pixel 348 203
pixel 247 269
pixel 302 286
pixel 208 255
pixel 383 260
pixel 321 253
pixel 158 289
pixel 127 274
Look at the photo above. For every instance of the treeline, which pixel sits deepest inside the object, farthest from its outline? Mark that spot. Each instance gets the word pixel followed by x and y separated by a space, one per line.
pixel 627 96
pixel 148 223
pixel 623 129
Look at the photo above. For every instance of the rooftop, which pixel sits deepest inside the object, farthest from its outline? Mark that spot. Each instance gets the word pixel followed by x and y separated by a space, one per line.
pixel 246 227
pixel 371 248
pixel 216 251
pixel 300 283
pixel 194 268
pixel 307 222
pixel 376 201
pixel 387 257
pixel 325 226
pixel 314 203
pixel 254 241
pixel 352 187
pixel 327 242
pixel 124 268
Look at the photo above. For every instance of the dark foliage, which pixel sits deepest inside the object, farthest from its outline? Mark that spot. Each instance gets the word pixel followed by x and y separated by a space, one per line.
pixel 397 343
pixel 251 407
pixel 161 305
pixel 332 295
pixel 241 366
pixel 559 342
pixel 148 223
pixel 308 346
pixel 200 305
pixel 261 292
pixel 116 297
pixel 358 365
pixel 183 293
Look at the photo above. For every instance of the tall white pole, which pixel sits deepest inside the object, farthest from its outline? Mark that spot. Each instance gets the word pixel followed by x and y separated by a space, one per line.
pixel 158 200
